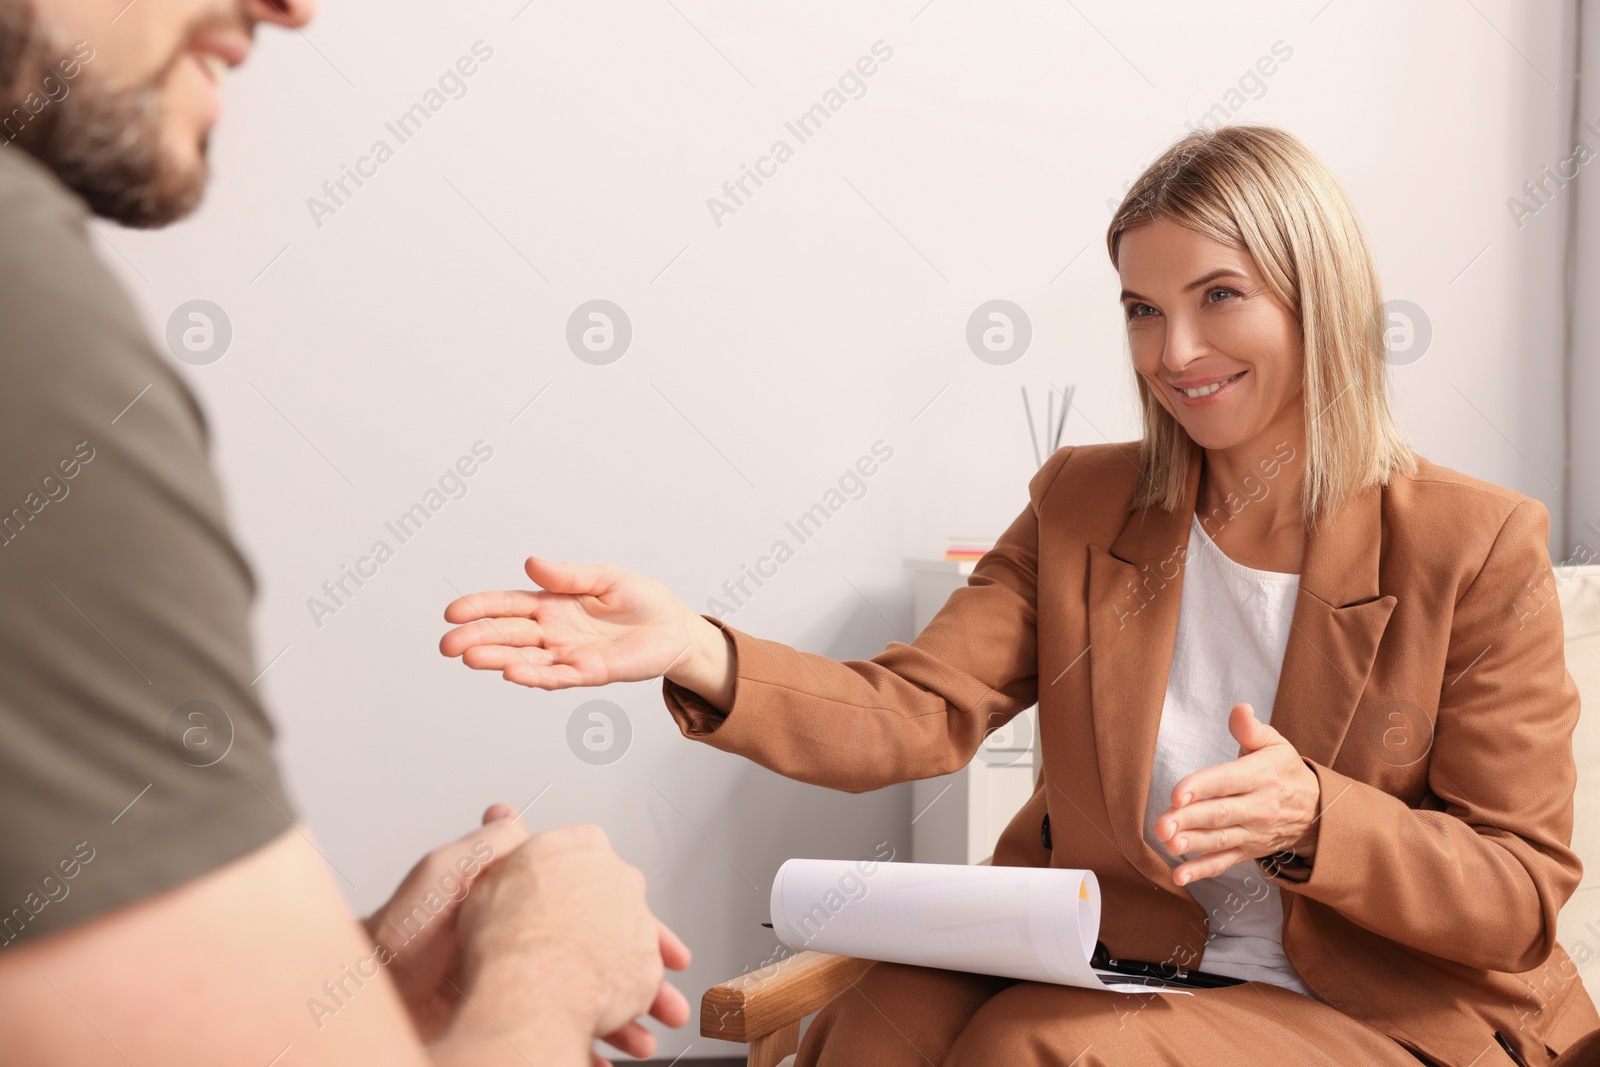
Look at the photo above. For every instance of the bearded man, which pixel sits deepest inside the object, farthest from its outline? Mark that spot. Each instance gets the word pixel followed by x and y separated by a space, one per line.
pixel 160 902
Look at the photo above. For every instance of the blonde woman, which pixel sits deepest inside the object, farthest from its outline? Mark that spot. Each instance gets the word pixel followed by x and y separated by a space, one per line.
pixel 1289 711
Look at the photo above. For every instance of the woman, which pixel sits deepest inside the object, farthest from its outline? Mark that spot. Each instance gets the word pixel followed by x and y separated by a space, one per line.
pixel 1290 712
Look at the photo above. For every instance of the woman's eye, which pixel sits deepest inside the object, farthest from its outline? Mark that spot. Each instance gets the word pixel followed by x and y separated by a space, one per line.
pixel 1137 310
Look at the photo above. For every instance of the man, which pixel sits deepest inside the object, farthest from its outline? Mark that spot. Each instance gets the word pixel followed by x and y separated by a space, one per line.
pixel 158 901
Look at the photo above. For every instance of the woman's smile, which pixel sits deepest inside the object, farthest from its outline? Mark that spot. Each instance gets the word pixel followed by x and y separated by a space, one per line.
pixel 1200 392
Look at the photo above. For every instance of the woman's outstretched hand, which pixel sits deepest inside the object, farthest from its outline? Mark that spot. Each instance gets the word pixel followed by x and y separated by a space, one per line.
pixel 590 625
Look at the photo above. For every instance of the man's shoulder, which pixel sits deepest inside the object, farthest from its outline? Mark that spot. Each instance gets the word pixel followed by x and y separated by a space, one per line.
pixel 37 213
pixel 74 346
pixel 47 262
pixel 124 632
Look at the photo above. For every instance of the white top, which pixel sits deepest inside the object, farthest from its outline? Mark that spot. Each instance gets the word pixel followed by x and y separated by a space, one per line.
pixel 1233 625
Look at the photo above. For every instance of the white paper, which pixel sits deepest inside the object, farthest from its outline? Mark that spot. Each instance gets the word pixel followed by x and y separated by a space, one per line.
pixel 1033 923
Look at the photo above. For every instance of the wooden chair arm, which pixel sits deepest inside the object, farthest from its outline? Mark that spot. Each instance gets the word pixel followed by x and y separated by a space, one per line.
pixel 763 1002
pixel 764 1008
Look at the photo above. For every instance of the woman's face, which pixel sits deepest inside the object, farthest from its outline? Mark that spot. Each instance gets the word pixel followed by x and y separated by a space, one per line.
pixel 1201 320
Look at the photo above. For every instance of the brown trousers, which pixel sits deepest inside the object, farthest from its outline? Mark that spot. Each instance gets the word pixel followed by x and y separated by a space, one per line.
pixel 922 1017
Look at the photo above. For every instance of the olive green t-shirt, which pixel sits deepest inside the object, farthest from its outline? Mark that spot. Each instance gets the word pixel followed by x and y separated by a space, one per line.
pixel 134 751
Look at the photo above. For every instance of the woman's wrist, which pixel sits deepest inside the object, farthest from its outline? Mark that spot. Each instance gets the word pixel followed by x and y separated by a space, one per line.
pixel 1305 849
pixel 708 667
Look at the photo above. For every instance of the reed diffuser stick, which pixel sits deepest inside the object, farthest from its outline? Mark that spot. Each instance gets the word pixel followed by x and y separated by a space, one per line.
pixel 1066 403
pixel 1033 437
pixel 1050 416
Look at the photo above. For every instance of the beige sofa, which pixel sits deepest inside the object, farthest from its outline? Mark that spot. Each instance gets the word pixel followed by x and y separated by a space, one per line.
pixel 1579 589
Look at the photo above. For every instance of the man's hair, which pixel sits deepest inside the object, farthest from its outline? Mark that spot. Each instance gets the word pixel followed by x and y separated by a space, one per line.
pixel 1259 189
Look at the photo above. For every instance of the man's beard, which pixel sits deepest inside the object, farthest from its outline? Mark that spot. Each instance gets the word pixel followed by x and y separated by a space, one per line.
pixel 103 139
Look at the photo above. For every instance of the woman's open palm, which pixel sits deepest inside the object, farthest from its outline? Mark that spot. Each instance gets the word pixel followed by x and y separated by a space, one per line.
pixel 590 625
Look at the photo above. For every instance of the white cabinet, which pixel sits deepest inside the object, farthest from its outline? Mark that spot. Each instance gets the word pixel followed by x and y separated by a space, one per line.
pixel 956 818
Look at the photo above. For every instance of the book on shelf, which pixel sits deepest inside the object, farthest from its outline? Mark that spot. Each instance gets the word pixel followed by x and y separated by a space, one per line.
pixel 966 548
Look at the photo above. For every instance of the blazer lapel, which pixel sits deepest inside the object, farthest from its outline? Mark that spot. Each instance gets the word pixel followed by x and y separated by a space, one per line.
pixel 1339 620
pixel 1134 590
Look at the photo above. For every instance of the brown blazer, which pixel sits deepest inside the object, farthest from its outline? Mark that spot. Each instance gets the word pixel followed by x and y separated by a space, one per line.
pixel 1424 682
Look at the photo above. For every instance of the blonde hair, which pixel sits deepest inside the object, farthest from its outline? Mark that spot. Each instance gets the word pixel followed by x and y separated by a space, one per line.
pixel 1259 189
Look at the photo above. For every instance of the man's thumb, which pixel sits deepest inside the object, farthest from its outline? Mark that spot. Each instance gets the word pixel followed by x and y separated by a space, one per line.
pixel 498 811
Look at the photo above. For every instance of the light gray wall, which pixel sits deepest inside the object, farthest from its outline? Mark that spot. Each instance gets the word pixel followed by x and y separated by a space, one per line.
pixel 769 352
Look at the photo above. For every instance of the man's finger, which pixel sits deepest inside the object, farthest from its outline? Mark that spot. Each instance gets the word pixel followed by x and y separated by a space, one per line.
pixel 498 836
pixel 497 811
pixel 670 1006
pixel 674 953
pixel 632 1039
pixel 463 859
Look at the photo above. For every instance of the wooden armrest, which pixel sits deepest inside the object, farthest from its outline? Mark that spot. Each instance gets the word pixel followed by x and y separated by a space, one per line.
pixel 762 1002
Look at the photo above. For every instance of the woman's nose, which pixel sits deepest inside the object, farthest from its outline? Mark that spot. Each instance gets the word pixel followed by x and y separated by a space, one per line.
pixel 1183 345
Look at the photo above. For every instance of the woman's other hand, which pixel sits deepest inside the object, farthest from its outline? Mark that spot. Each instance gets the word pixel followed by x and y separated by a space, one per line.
pixel 1264 803
pixel 591 625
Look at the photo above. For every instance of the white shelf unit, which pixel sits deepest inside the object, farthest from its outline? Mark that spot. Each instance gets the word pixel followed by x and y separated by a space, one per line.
pixel 957 818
